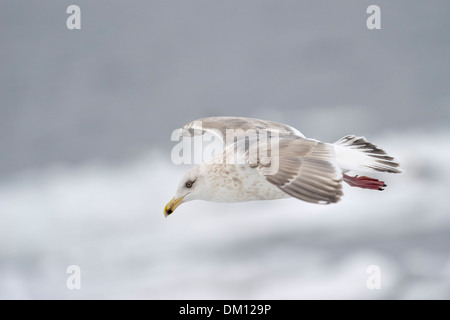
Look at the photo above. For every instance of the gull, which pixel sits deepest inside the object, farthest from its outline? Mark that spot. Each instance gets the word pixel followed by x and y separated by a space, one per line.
pixel 303 168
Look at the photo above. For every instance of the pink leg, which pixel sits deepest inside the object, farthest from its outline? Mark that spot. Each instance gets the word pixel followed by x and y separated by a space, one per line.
pixel 365 182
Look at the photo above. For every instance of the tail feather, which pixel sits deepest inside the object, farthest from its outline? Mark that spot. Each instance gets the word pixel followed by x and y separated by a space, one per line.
pixel 356 153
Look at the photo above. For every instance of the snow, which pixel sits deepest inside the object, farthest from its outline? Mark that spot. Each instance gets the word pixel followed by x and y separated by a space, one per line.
pixel 108 219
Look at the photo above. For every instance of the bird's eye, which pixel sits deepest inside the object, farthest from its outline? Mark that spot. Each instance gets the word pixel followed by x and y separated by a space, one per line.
pixel 189 184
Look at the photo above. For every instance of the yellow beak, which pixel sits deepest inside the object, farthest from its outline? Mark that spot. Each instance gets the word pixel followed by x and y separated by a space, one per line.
pixel 172 205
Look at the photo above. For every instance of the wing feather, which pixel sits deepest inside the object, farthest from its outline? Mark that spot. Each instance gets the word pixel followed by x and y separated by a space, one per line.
pixel 239 126
pixel 307 170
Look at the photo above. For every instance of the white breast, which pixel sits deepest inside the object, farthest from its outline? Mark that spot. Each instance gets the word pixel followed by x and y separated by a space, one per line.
pixel 235 183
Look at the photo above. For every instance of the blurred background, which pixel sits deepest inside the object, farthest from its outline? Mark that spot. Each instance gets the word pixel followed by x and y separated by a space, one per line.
pixel 85 169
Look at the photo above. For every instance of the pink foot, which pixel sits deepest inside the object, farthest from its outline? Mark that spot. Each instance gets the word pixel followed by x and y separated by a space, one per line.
pixel 365 182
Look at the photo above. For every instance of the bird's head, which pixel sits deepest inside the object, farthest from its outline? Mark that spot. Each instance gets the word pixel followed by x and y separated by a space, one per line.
pixel 191 187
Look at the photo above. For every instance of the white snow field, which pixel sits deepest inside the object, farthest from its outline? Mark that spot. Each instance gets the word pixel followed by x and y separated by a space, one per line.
pixel 109 221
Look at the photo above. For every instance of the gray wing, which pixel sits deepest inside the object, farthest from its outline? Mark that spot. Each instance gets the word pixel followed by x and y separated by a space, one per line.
pixel 306 170
pixel 239 126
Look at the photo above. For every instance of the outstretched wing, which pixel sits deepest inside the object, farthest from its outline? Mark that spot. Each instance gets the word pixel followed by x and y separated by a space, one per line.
pixel 306 169
pixel 239 127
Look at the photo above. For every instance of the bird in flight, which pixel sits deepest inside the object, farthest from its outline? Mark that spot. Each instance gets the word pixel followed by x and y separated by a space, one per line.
pixel 265 160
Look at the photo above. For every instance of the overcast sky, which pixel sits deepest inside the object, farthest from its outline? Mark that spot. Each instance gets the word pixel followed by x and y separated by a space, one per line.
pixel 137 70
